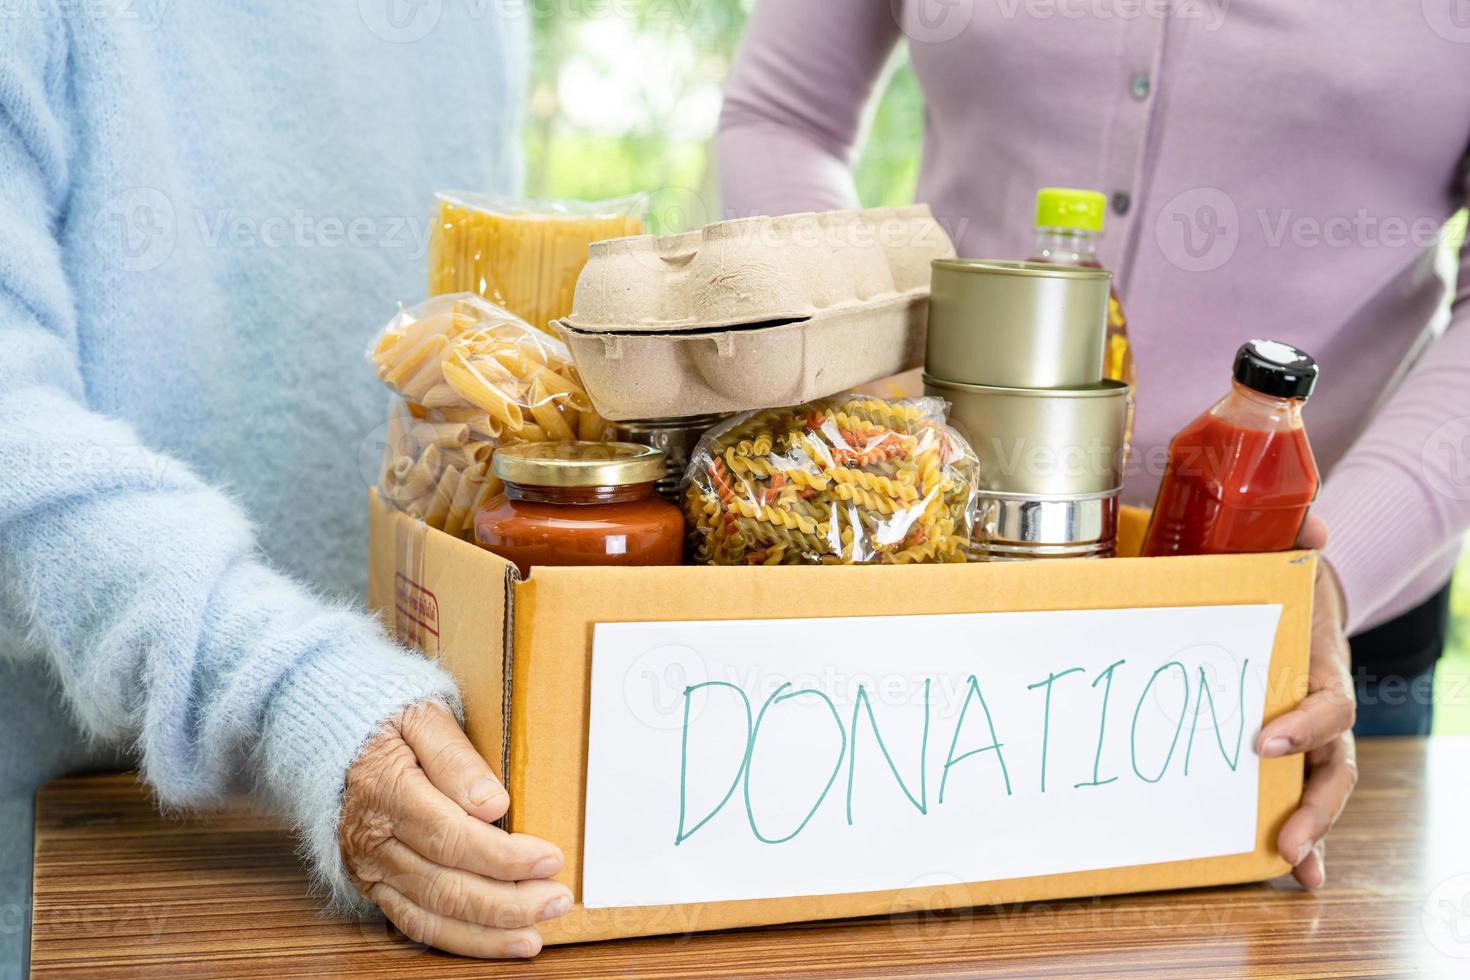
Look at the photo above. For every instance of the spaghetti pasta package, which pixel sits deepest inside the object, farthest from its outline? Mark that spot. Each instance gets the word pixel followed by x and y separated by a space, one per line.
pixel 523 255
pixel 470 377
pixel 840 481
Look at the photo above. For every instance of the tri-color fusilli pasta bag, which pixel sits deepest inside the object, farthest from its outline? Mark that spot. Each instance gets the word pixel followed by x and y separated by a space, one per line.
pixel 851 479
pixel 470 377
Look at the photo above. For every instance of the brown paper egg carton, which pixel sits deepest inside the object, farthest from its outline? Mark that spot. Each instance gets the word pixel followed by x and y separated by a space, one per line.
pixel 754 312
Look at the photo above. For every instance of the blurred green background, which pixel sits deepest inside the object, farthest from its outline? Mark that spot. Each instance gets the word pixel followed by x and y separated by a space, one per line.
pixel 621 104
pixel 625 97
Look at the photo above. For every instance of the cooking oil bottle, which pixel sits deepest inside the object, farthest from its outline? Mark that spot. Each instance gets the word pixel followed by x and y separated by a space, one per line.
pixel 1069 226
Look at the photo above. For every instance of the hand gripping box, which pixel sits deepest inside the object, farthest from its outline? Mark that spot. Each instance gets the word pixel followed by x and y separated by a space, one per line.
pixel 725 747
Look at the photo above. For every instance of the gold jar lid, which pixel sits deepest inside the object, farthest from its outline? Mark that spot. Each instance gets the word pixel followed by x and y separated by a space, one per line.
pixel 578 464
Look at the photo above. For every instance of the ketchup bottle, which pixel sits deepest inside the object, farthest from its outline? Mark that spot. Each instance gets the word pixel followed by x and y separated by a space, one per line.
pixel 1241 476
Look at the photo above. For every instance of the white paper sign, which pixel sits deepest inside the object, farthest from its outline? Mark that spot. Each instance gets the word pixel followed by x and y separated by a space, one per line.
pixel 769 758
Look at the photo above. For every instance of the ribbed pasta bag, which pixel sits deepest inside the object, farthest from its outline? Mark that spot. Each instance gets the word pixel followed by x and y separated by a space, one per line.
pixel 470 377
pixel 840 481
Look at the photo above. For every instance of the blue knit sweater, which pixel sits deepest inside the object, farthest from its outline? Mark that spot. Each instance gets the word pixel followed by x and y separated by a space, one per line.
pixel 205 211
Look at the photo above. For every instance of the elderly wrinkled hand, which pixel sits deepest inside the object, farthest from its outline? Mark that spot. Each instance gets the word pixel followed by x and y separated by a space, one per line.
pixel 1321 726
pixel 418 840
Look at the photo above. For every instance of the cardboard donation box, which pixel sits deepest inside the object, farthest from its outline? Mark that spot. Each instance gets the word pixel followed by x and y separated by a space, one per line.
pixel 723 747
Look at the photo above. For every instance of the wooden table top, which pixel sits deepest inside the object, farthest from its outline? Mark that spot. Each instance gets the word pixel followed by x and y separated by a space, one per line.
pixel 123 892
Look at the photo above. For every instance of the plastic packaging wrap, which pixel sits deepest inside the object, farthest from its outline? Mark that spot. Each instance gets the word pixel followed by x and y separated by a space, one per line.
pixel 470 377
pixel 524 256
pixel 845 480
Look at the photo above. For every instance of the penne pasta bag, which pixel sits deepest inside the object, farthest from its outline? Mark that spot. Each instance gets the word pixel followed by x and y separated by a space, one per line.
pixel 469 377
pixel 848 480
pixel 523 255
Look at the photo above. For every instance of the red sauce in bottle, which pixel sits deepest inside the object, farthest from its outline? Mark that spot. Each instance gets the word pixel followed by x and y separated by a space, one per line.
pixel 1241 477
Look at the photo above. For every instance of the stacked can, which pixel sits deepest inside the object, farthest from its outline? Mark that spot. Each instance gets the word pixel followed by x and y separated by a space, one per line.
pixel 675 437
pixel 1017 349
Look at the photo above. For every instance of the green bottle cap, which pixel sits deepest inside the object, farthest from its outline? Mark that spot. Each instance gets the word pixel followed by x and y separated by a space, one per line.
pixel 1066 207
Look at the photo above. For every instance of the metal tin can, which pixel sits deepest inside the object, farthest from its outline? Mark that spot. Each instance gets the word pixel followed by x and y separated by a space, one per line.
pixel 1017 324
pixel 1057 442
pixel 677 437
pixel 1017 526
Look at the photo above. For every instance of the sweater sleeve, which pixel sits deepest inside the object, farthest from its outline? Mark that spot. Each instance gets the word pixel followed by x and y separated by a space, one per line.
pixel 794 104
pixel 140 585
pixel 1400 497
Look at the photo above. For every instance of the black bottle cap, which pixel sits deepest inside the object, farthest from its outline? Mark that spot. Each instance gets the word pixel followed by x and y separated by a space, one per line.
pixel 1275 369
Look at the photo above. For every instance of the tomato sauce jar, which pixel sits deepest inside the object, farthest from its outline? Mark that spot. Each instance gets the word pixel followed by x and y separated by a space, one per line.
pixel 1241 477
pixel 580 503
